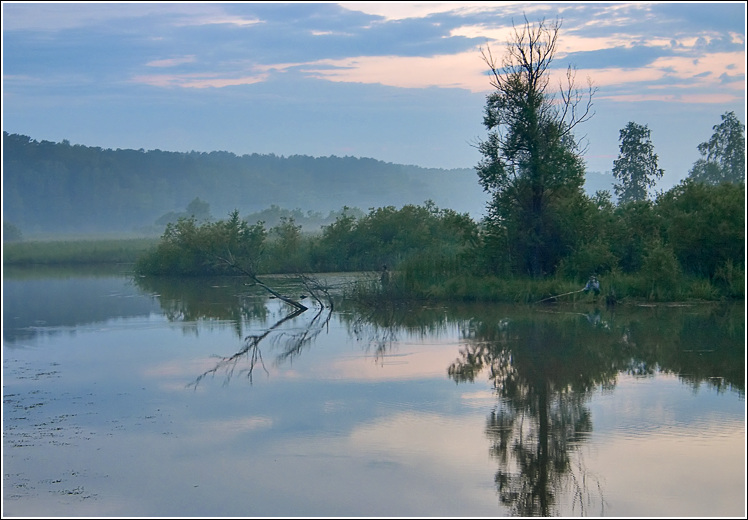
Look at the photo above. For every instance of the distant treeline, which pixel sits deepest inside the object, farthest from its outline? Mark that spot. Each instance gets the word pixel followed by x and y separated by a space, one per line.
pixel 59 187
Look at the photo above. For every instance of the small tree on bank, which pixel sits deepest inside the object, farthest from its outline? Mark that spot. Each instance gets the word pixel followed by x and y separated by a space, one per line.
pixel 636 166
pixel 532 164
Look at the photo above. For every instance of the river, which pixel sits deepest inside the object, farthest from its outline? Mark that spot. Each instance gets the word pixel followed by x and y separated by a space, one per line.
pixel 127 396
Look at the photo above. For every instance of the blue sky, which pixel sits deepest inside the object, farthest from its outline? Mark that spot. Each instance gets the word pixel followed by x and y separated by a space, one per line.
pixel 401 82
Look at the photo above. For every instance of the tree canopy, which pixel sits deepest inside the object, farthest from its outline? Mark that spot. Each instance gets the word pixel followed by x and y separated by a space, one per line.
pixel 636 167
pixel 532 165
pixel 723 155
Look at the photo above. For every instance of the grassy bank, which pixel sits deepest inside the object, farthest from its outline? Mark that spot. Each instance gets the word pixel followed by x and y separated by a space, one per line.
pixel 616 288
pixel 426 280
pixel 72 252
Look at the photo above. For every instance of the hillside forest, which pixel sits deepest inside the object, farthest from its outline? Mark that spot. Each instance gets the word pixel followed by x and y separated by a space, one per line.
pixel 74 189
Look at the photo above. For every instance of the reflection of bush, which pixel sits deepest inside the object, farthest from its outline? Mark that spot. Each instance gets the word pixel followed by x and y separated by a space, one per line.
pixel 577 347
pixel 194 299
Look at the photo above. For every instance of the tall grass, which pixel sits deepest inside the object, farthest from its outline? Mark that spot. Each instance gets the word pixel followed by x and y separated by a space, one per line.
pixel 616 287
pixel 68 252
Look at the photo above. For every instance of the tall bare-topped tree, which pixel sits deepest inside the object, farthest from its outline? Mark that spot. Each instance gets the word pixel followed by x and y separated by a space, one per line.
pixel 532 163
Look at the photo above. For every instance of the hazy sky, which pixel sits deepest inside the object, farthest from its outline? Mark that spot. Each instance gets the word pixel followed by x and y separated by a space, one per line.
pixel 401 82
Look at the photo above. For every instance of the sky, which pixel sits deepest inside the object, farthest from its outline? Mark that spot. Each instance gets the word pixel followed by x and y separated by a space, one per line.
pixel 401 82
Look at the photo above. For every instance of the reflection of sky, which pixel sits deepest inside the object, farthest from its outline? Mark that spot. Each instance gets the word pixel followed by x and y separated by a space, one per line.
pixel 336 431
pixel 32 307
pixel 302 440
pixel 654 438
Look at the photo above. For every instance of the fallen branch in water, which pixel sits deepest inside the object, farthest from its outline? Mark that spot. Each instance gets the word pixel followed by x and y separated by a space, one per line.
pixel 232 263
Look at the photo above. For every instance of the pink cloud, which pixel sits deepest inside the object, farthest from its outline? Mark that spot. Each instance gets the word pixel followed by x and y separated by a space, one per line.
pixel 196 80
pixel 171 62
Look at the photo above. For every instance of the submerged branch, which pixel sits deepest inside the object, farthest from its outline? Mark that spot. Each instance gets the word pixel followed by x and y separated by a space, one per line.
pixel 231 262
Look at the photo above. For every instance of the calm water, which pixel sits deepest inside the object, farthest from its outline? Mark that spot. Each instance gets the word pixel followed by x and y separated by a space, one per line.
pixel 130 397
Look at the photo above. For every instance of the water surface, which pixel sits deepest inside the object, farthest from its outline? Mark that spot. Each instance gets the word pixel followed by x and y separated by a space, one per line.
pixel 136 397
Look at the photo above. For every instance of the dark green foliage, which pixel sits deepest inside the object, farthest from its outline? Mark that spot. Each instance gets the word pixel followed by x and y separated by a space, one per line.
pixel 286 251
pixel 723 156
pixel 590 257
pixel 704 225
pixel 660 271
pixel 636 167
pixel 310 221
pixel 532 165
pixel 187 248
pixel 386 236
pixel 636 227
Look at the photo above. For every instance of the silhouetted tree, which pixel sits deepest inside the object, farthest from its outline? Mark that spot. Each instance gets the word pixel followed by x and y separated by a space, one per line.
pixel 636 167
pixel 532 164
pixel 723 156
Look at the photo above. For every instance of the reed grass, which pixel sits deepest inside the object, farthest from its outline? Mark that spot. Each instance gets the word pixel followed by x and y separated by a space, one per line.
pixel 616 288
pixel 67 252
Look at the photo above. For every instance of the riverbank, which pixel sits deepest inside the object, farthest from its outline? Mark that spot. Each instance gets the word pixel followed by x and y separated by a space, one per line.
pixel 616 288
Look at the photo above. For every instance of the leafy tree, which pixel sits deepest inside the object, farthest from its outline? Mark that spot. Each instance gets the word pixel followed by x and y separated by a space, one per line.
pixel 335 250
pixel 705 225
pixel 286 252
pixel 636 166
pixel 531 160
pixel 636 229
pixel 660 270
pixel 390 236
pixel 723 156
pixel 596 225
pixel 189 248
pixel 198 209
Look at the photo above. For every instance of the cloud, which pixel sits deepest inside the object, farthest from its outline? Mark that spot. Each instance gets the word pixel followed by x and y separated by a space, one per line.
pixel 464 70
pixel 220 19
pixel 56 17
pixel 197 81
pixel 390 11
pixel 352 57
pixel 171 62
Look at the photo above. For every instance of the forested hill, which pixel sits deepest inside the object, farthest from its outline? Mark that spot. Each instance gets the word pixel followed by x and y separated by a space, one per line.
pixel 64 188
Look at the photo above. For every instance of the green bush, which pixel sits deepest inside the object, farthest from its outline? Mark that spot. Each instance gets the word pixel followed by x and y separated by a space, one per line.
pixel 660 272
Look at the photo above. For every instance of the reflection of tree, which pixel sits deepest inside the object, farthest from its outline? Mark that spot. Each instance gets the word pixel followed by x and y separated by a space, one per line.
pixel 380 324
pixel 291 342
pixel 194 299
pixel 544 369
pixel 682 341
pixel 545 365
